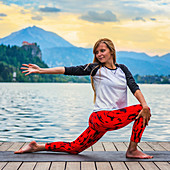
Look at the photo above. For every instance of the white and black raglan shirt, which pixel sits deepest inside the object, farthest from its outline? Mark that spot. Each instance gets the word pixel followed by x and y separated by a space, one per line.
pixel 110 84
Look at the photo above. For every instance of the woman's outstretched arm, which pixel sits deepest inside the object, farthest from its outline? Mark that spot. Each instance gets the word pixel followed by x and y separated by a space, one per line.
pixel 32 68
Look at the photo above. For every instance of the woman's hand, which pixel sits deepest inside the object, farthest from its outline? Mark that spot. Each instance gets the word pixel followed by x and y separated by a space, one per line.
pixel 30 68
pixel 146 114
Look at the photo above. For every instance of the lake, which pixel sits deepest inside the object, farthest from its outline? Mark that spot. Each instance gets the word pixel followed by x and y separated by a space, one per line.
pixel 48 112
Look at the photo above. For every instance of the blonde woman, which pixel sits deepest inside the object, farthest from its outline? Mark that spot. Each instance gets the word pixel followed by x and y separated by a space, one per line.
pixel 109 81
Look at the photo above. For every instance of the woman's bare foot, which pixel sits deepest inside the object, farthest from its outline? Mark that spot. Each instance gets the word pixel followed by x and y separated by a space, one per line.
pixel 137 154
pixel 133 152
pixel 31 147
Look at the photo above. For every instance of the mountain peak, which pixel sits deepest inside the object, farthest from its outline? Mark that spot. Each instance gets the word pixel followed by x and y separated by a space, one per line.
pixel 45 39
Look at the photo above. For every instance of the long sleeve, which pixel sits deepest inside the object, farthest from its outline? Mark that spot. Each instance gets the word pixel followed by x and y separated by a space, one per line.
pixel 82 70
pixel 129 78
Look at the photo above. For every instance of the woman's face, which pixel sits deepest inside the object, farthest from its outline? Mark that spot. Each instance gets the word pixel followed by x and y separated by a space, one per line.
pixel 103 54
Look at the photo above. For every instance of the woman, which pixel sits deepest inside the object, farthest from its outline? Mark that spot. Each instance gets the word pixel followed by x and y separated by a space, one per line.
pixel 109 82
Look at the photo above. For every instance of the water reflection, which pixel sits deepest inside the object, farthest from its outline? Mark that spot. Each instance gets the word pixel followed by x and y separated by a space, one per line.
pixel 52 112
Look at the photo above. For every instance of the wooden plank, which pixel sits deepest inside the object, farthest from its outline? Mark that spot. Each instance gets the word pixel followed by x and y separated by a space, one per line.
pixel 16 146
pixel 127 145
pixel 165 145
pixel 133 165
pixel 1 143
pixel 119 165
pixel 98 147
pixel 42 165
pixel 145 147
pixel 120 146
pixel 163 165
pixel 5 146
pixel 149 165
pixel 88 149
pixel 108 146
pixel 2 164
pixel 12 166
pixel 25 144
pixel 28 166
pixel 57 166
pixel 156 146
pixel 73 165
pixel 88 166
pixel 103 166
pixel 115 165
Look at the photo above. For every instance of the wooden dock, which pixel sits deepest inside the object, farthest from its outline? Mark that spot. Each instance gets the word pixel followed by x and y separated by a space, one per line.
pixel 100 146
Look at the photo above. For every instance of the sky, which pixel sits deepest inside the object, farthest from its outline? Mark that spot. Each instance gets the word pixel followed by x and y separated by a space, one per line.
pixel 132 25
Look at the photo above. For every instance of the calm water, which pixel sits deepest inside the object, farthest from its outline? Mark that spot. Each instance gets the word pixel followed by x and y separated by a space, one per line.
pixel 51 112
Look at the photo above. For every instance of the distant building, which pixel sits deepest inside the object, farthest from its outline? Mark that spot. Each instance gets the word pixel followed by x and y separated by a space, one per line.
pixel 27 43
pixel 33 47
pixel 14 76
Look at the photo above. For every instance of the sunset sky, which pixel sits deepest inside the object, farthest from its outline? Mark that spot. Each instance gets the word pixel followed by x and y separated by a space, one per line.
pixel 133 25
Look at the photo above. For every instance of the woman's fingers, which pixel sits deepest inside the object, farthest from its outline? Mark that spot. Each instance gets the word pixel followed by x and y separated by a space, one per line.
pixel 24 68
pixel 144 122
pixel 25 65
pixel 25 71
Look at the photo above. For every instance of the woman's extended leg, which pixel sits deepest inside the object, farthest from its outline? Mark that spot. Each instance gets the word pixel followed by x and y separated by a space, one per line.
pixel 85 140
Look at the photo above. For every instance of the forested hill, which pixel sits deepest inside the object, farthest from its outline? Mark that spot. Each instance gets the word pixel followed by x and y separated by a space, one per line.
pixel 12 58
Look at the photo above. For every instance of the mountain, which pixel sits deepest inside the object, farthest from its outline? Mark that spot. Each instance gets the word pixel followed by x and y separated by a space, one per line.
pixel 58 52
pixel 138 63
pixel 44 39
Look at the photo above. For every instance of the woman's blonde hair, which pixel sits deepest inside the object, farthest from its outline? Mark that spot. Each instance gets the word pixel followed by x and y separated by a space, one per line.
pixel 111 47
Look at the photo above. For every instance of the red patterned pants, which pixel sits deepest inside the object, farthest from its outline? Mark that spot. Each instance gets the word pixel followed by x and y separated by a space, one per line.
pixel 99 123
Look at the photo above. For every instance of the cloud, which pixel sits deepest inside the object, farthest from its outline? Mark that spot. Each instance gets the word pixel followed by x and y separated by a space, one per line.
pixel 95 17
pixel 23 12
pixel 49 9
pixel 139 19
pixel 38 18
pixel 2 15
pixel 153 19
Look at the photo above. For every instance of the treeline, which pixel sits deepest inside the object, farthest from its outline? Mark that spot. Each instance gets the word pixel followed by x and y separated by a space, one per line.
pixel 152 79
pixel 12 58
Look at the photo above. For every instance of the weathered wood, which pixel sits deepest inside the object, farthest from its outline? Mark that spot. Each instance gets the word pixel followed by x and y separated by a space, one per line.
pixel 57 166
pixel 163 165
pixel 127 145
pixel 27 166
pixel 98 147
pixel 134 166
pixel 156 146
pixel 2 164
pixel 88 166
pixel 109 146
pixel 73 165
pixel 120 146
pixel 42 165
pixel 149 165
pixel 88 149
pixel 25 144
pixel 12 166
pixel 5 146
pixel 118 165
pixel 103 166
pixel 165 145
pixel 144 146
pixel 16 146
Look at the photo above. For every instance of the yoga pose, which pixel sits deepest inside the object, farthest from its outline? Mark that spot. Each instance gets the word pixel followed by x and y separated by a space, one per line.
pixel 109 81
